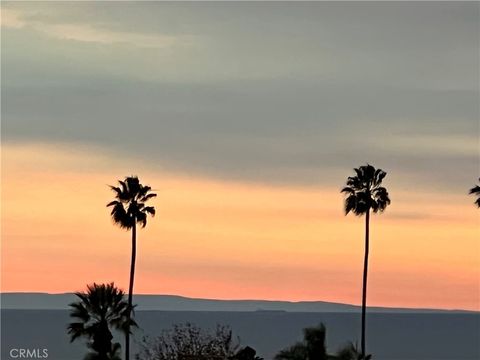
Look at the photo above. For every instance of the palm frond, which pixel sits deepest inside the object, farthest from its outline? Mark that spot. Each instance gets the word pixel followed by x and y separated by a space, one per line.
pixel 359 172
pixel 116 189
pixel 142 191
pixel 150 210
pixel 124 186
pixel 112 203
pixel 350 203
pixel 368 172
pixel 379 176
pixel 142 219
pixel 348 190
pixel 474 190
pixel 121 216
pixel 133 185
pixel 75 330
pixel 79 311
pixel 147 197
pixel 354 182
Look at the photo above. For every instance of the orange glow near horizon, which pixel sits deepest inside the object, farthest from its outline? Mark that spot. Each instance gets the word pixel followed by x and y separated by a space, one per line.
pixel 228 240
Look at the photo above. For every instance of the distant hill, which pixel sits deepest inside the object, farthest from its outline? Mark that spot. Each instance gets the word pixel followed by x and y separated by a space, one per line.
pixel 44 301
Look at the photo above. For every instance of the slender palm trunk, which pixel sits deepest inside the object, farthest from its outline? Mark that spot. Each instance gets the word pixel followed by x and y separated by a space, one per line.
pixel 365 272
pixel 130 290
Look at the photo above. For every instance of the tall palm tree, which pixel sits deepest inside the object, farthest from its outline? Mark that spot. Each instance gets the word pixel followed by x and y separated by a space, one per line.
pixel 364 193
pixel 476 191
pixel 99 310
pixel 128 209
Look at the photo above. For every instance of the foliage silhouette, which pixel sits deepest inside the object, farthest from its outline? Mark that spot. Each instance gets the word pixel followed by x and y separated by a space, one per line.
pixel 113 354
pixel 99 310
pixel 313 347
pixel 364 193
pixel 350 352
pixel 128 209
pixel 476 191
pixel 247 353
pixel 188 342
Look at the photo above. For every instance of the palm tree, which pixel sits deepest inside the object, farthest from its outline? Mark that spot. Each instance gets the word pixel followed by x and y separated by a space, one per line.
pixel 128 210
pixel 476 191
pixel 100 309
pixel 364 193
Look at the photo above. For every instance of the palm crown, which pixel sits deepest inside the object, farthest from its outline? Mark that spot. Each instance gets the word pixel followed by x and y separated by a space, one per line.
pixel 364 191
pixel 476 191
pixel 129 207
pixel 101 307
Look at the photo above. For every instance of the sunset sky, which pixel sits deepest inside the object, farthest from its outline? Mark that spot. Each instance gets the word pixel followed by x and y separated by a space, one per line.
pixel 246 119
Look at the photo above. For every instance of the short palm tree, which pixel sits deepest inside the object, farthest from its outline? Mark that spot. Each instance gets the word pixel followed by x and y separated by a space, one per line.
pixel 476 191
pixel 128 210
pixel 364 193
pixel 99 310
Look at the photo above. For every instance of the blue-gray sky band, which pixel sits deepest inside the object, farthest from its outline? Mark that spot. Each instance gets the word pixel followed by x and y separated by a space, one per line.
pixel 284 93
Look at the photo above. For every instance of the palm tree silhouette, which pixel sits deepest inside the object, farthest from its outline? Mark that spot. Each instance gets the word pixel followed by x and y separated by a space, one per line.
pixel 128 210
pixel 476 191
pixel 364 193
pixel 101 308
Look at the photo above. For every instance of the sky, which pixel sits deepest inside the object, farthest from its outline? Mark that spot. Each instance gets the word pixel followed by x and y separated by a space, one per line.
pixel 246 119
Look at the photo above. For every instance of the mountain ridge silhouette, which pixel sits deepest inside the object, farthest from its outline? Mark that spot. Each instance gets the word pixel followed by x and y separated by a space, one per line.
pixel 166 302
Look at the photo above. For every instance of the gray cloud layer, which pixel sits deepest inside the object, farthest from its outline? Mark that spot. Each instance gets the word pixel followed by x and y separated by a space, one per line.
pixel 275 92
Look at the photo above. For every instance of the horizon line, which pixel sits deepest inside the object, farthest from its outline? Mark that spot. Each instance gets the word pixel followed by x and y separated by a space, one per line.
pixel 397 307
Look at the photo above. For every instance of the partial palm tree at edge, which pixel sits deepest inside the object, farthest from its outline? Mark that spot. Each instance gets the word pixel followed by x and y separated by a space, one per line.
pixel 99 310
pixel 128 210
pixel 476 191
pixel 364 193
